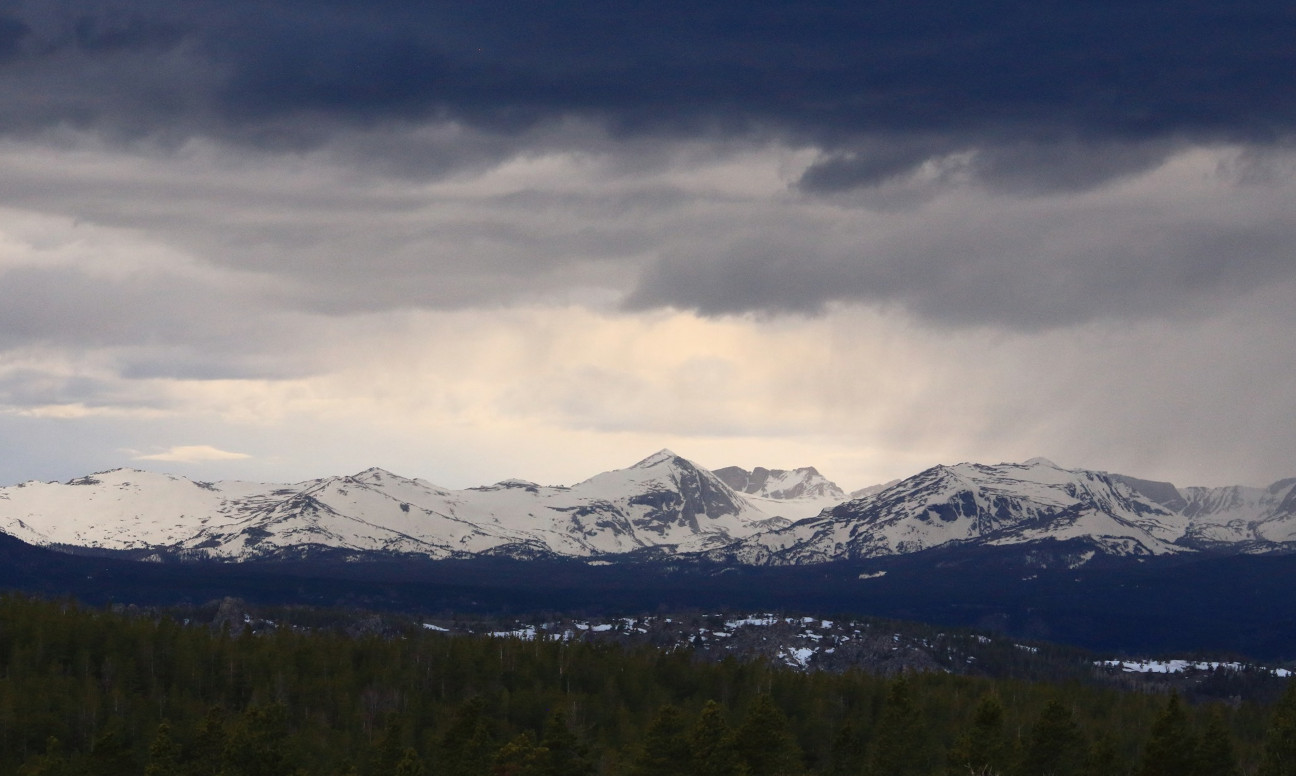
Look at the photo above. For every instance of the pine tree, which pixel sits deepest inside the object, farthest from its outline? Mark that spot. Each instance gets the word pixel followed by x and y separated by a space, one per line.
pixel 849 750
pixel 1103 759
pixel 410 764
pixel 983 750
pixel 711 749
pixel 206 755
pixel 1171 747
pixel 518 757
pixel 51 763
pixel 1215 753
pixel 164 754
pixel 898 746
pixel 560 752
pixel 665 747
pixel 258 744
pixel 388 751
pixel 466 748
pixel 1055 746
pixel 764 742
pixel 1280 741
pixel 111 755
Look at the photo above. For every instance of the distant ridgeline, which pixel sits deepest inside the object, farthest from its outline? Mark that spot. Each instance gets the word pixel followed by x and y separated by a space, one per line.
pixel 664 506
pixel 88 692
pixel 1033 550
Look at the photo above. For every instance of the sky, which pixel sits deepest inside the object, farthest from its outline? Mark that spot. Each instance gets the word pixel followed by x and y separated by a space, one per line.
pixel 475 240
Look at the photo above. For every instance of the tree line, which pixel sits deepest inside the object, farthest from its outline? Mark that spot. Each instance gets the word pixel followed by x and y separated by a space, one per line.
pixel 92 693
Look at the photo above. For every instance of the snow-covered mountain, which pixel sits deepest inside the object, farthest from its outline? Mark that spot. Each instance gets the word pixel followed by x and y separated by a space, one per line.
pixel 804 485
pixel 871 489
pixel 662 501
pixel 780 483
pixel 1031 502
pixel 1236 516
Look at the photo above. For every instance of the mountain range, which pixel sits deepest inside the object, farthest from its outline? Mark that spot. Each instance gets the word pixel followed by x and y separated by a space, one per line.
pixel 662 506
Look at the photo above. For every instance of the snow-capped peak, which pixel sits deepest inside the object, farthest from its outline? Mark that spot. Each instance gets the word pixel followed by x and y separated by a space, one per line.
pixel 661 456
pixel 977 503
pixel 111 475
pixel 782 484
pixel 375 472
pixel 664 501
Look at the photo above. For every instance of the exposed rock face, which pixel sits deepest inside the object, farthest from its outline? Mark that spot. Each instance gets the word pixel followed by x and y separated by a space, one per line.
pixel 664 504
pixel 663 501
pixel 231 613
pixel 1032 502
pixel 805 482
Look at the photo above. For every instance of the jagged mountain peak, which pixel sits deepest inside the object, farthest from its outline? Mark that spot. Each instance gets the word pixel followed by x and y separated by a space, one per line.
pixel 664 455
pixel 376 473
pixel 971 503
pixel 781 484
pixel 668 500
pixel 665 502
pixel 664 468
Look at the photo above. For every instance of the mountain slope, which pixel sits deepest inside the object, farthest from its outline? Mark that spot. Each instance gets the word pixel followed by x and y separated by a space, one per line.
pixel 781 484
pixel 1024 503
pixel 664 504
pixel 775 489
pixel 662 501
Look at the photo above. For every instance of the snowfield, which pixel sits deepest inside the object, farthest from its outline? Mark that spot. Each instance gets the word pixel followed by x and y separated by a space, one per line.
pixel 663 503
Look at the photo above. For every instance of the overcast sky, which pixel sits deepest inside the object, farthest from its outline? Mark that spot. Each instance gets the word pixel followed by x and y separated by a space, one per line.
pixel 468 241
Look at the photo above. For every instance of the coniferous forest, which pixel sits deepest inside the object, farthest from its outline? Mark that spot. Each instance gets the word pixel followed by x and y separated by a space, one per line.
pixel 92 692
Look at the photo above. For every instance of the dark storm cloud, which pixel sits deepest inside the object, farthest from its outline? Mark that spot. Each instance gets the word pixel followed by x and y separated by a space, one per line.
pixel 829 72
pixel 1019 165
pixel 12 31
pixel 903 103
pixel 1026 268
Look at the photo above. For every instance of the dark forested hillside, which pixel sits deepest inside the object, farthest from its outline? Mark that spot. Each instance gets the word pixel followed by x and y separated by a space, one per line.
pixel 1237 605
pixel 94 692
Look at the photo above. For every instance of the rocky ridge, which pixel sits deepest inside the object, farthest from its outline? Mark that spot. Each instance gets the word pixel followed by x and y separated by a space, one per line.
pixel 662 506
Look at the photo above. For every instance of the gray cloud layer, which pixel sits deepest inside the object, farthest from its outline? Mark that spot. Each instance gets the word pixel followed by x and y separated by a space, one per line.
pixel 943 77
pixel 988 166
pixel 901 104
pixel 1027 264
